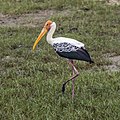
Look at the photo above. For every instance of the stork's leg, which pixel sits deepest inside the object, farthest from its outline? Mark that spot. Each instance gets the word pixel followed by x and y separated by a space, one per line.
pixel 76 73
pixel 73 72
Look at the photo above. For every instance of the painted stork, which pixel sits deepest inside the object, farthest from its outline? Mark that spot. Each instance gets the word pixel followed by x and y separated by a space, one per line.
pixel 65 47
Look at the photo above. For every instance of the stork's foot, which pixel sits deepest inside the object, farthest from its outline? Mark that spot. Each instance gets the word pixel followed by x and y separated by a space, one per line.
pixel 63 88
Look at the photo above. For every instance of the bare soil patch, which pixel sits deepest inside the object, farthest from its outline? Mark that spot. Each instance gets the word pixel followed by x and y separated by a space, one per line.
pixel 115 60
pixel 29 19
pixel 113 2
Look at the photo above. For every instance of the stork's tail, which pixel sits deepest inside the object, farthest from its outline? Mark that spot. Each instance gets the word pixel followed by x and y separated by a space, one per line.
pixel 84 55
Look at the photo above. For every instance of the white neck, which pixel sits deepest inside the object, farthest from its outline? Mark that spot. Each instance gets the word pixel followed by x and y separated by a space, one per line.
pixel 50 33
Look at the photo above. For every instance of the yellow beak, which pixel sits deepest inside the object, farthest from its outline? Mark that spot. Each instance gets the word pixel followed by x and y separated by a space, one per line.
pixel 44 30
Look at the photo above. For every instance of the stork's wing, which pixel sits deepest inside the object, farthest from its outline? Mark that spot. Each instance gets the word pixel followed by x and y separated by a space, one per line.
pixel 62 40
pixel 64 47
pixel 70 51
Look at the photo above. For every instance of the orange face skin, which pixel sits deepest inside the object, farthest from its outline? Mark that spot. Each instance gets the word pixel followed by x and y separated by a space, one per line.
pixel 47 24
pixel 43 32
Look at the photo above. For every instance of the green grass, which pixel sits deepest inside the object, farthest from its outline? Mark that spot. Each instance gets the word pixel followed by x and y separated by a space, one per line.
pixel 21 6
pixel 30 82
pixel 39 97
pixel 24 6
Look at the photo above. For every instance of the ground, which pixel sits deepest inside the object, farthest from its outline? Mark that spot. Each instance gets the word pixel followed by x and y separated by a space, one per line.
pixel 113 2
pixel 37 19
pixel 28 20
pixel 31 82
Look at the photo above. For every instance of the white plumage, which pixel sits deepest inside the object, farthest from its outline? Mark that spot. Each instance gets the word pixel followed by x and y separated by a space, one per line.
pixel 52 40
pixel 68 40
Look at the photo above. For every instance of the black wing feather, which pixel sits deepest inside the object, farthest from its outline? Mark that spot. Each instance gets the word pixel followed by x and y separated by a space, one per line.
pixel 84 55
pixel 80 54
pixel 72 52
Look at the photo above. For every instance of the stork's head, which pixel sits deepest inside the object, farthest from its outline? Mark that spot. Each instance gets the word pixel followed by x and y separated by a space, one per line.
pixel 45 29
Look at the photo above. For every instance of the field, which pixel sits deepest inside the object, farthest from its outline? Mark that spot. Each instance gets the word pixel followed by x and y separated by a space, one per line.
pixel 31 81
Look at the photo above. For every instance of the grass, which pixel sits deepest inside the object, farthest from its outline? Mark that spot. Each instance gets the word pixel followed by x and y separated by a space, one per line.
pixel 30 82
pixel 24 6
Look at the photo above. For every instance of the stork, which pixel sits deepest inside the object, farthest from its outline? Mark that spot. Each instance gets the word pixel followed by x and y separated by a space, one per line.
pixel 66 48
